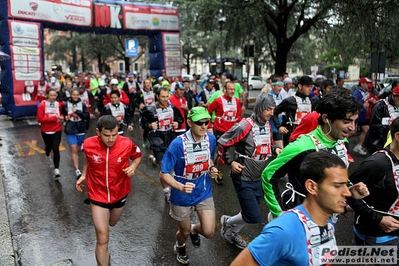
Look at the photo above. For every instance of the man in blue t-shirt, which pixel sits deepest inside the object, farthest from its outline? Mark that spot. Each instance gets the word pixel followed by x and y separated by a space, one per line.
pixel 325 178
pixel 190 158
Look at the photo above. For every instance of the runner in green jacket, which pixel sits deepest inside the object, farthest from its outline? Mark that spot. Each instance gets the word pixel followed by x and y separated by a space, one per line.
pixel 338 113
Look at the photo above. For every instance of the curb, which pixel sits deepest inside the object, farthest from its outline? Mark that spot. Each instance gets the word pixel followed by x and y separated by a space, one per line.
pixel 6 247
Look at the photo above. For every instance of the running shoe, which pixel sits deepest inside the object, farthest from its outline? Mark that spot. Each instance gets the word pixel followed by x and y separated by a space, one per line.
pixel 359 149
pixel 225 231
pixel 57 173
pixel 48 159
pixel 153 160
pixel 195 239
pixel 181 255
pixel 78 174
pixel 238 241
pixel 219 178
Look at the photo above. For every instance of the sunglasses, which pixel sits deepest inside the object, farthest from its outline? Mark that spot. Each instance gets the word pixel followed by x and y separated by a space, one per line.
pixel 200 123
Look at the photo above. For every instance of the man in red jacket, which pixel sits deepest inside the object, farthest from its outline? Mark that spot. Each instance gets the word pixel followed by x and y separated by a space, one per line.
pixel 107 172
pixel 178 100
pixel 228 112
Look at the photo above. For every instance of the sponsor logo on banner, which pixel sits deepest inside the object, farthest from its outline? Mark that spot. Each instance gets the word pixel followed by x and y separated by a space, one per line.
pixel 33 5
pixel 57 9
pixel 27 76
pixel 155 21
pixel 25 42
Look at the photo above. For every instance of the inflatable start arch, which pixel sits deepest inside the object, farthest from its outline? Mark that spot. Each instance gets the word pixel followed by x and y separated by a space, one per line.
pixel 21 36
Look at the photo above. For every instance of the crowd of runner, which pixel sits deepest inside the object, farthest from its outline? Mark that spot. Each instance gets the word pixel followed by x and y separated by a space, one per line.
pixel 194 127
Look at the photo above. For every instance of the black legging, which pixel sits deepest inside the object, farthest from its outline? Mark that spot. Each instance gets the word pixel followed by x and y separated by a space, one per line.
pixel 52 142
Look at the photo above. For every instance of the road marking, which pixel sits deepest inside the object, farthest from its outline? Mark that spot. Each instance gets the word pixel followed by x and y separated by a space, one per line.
pixel 19 149
pixel 33 147
pixel 149 179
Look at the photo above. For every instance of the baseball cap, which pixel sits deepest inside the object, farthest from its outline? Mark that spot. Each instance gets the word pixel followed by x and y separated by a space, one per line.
pixel 130 74
pixel 101 83
pixel 52 79
pixel 305 80
pixel 211 81
pixel 180 86
pixel 114 82
pixel 362 80
pixel 395 90
pixel 197 113
pixel 160 78
pixel 287 80
pixel 186 79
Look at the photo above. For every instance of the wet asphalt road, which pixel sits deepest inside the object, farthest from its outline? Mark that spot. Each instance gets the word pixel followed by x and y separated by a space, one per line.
pixel 50 224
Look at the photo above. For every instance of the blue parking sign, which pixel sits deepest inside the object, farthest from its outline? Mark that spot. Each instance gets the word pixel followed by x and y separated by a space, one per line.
pixel 132 48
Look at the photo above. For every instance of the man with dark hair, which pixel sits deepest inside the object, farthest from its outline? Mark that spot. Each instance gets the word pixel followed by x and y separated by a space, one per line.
pixel 337 120
pixel 382 115
pixel 107 172
pixel 206 93
pixel 160 120
pixel 295 108
pixel 326 86
pixel 379 225
pixel 340 82
pixel 296 237
pixel 119 111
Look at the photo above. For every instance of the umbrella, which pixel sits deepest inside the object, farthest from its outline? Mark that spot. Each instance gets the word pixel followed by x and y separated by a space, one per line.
pixel 4 56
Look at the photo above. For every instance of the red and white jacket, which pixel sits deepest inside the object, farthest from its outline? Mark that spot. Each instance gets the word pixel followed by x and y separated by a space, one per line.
pixel 124 98
pixel 105 180
pixel 47 116
pixel 176 101
pixel 228 112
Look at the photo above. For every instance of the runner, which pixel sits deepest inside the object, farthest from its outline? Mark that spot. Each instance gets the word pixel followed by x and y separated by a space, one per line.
pixel 382 115
pixel 145 97
pixel 253 143
pixel 190 157
pixel 228 111
pixel 275 92
pixel 295 237
pixel 379 225
pixel 107 172
pixel 295 108
pixel 50 118
pixel 178 100
pixel 160 120
pixel 337 120
pixel 77 119
pixel 119 111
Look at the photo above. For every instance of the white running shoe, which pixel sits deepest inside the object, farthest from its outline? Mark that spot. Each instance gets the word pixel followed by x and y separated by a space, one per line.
pixel 57 173
pixel 359 149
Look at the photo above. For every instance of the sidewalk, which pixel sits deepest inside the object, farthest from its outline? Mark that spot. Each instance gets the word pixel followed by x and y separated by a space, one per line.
pixel 6 247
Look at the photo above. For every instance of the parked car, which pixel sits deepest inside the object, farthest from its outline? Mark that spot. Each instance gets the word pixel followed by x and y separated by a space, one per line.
pixel 351 85
pixel 256 83
pixel 387 81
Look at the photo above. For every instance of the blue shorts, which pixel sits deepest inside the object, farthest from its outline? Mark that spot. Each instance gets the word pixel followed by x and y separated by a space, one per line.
pixel 250 195
pixel 75 139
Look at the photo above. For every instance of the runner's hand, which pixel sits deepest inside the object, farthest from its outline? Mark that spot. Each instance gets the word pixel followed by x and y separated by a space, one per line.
pixel 79 183
pixel 359 191
pixel 129 171
pixel 214 172
pixel 389 224
pixel 236 168
pixel 188 187
pixel 283 130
